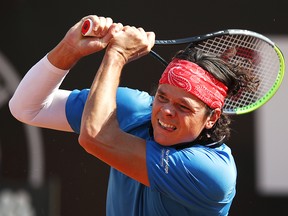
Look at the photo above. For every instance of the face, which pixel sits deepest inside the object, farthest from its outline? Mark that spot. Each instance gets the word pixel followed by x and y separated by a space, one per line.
pixel 178 116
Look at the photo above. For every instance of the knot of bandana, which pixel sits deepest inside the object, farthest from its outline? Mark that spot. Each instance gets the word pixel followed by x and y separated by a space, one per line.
pixel 195 80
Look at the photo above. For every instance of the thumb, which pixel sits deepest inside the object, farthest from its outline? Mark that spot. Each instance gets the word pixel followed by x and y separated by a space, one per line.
pixel 151 39
pixel 113 30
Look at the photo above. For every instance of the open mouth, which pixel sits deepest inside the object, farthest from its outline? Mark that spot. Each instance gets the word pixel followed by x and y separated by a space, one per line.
pixel 166 126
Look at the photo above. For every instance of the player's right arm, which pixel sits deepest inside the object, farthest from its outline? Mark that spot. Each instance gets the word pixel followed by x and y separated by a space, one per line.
pixel 38 101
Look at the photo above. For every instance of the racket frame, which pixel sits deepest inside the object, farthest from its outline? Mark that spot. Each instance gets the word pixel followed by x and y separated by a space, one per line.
pixel 196 39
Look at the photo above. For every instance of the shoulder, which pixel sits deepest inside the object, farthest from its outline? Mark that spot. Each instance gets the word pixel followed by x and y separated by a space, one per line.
pixel 209 162
pixel 133 96
pixel 214 167
pixel 133 107
pixel 125 97
pixel 211 171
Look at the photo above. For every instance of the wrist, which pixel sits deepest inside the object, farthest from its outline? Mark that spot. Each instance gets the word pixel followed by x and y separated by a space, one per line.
pixel 116 57
pixel 63 56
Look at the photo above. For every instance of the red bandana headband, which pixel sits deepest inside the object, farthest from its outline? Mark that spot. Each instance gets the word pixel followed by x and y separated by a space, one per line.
pixel 195 80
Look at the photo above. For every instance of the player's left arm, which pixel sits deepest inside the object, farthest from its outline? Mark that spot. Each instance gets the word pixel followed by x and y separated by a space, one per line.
pixel 100 134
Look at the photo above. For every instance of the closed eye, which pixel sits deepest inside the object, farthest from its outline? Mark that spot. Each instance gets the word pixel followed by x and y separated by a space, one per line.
pixel 184 108
pixel 161 98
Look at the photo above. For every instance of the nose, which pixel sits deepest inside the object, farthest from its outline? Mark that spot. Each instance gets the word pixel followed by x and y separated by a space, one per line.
pixel 168 109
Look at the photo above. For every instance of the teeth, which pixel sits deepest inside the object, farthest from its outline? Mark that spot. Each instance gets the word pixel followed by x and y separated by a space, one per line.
pixel 166 125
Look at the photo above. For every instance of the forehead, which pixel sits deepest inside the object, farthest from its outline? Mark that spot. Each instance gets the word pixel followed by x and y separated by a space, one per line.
pixel 179 94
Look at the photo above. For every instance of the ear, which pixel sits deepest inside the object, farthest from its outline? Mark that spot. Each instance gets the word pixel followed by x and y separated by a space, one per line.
pixel 211 120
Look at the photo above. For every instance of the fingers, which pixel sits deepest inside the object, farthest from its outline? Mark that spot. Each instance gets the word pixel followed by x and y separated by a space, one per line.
pixel 148 38
pixel 132 42
pixel 99 25
pixel 114 29
pixel 104 27
pixel 151 38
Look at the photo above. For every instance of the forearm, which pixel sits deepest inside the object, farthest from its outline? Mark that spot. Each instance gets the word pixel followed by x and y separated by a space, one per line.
pixel 101 102
pixel 100 133
pixel 63 56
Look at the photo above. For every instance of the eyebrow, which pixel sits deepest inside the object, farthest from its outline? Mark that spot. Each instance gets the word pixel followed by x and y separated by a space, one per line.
pixel 184 101
pixel 189 104
pixel 160 91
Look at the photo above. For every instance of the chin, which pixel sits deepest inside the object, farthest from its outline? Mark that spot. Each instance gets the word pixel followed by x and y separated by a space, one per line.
pixel 163 141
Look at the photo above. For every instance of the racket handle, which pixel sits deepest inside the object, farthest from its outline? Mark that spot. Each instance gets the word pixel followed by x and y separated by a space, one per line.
pixel 86 29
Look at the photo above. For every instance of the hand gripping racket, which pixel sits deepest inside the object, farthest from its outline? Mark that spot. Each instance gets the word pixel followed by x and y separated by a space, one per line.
pixel 252 51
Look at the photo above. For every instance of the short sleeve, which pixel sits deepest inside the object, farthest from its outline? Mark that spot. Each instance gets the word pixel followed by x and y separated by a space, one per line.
pixel 74 108
pixel 133 107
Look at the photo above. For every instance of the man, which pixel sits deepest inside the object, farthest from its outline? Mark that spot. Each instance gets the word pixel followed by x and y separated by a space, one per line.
pixel 166 152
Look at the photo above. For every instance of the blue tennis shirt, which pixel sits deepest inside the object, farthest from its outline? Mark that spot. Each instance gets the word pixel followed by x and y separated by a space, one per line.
pixel 193 181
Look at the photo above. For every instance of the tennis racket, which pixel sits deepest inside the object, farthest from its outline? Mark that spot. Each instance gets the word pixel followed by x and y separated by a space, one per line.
pixel 252 51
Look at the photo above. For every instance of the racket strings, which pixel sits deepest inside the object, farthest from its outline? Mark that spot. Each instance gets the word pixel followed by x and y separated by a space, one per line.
pixel 252 54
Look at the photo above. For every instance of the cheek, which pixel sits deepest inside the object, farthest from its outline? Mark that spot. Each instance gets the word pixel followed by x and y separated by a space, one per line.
pixel 194 126
pixel 153 114
pixel 156 107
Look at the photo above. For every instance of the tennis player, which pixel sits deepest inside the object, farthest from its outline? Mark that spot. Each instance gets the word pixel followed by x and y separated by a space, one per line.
pixel 167 152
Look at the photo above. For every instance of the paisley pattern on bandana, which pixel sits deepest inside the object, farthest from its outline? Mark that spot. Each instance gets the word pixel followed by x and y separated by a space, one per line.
pixel 195 80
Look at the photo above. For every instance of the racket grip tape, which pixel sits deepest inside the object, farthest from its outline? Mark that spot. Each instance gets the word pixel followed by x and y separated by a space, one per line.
pixel 87 26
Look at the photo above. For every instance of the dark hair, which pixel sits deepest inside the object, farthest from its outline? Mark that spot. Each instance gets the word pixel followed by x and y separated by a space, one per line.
pixel 233 76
